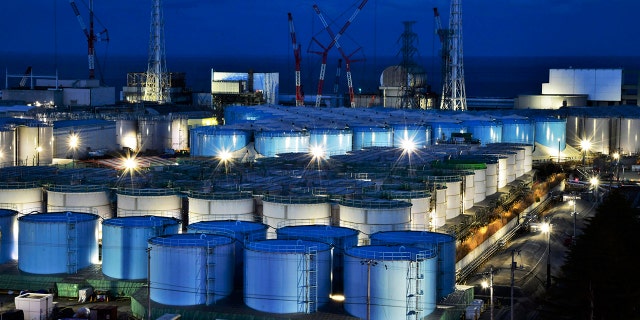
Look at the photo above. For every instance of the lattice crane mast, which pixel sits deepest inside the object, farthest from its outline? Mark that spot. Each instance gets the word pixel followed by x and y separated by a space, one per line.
pixel 298 60
pixel 90 34
pixel 334 42
pixel 336 84
pixel 443 35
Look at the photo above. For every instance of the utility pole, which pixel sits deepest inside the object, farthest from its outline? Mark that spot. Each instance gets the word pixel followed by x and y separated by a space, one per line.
pixel 514 265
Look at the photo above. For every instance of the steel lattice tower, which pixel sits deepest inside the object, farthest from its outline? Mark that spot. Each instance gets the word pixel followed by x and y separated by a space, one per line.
pixel 454 96
pixel 157 79
pixel 408 64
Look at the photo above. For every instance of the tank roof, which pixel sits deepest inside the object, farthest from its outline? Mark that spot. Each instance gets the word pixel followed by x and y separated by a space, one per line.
pixel 389 253
pixel 235 225
pixel 141 221
pixel 191 240
pixel 286 246
pixel 69 216
pixel 321 231
pixel 7 212
pixel 412 236
pixel 82 123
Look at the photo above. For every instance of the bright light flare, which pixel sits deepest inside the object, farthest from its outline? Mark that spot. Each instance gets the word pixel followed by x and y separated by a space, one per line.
pixel 545 227
pixel 616 156
pixel 336 297
pixel 594 181
pixel 225 156
pixel 408 145
pixel 484 284
pixel 317 152
pixel 74 141
pixel 38 149
pixel 130 163
pixel 585 145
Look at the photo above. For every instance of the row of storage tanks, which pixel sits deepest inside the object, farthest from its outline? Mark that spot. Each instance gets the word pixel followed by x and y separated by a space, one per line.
pixel 402 272
pixel 452 187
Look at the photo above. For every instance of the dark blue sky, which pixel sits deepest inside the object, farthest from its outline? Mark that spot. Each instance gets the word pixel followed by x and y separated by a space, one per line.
pixel 259 27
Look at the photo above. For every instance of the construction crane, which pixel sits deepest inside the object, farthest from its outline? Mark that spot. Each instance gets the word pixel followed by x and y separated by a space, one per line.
pixel 298 61
pixel 443 35
pixel 336 43
pixel 27 74
pixel 336 84
pixel 90 34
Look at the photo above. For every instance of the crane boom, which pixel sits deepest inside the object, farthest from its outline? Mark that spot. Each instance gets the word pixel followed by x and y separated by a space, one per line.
pixel 298 59
pixel 91 36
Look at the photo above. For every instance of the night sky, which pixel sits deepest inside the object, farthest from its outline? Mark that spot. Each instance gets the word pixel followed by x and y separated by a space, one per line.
pixel 258 27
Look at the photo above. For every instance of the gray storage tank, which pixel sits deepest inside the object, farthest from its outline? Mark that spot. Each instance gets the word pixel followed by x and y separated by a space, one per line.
pixel 57 242
pixel 287 276
pixel 390 282
pixel 124 244
pixel 8 235
pixel 191 268
pixel 446 250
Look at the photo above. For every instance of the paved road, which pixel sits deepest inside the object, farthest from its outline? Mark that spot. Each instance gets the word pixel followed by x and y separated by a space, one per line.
pixel 529 251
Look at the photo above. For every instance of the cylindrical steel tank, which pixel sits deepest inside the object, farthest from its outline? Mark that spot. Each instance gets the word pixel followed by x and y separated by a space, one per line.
pixel 179 134
pixel 149 202
pixel 415 136
pixel 153 132
pixel 8 235
pixel 480 184
pixel 287 276
pixel 630 135
pixel 454 198
pixel 125 242
pixel 7 147
pixel 485 131
pixel 516 130
pixel 57 242
pixel 371 136
pixel 491 177
pixel 468 188
pixel 439 217
pixel 442 130
pixel 242 231
pixel 390 282
pixel 597 131
pixel 127 134
pixel 35 144
pixel 420 205
pixel 82 198
pixel 339 238
pixel 24 197
pixel 191 268
pixel 551 132
pixel 446 249
pixel 373 215
pixel 270 143
pixel 575 130
pixel 212 141
pixel 303 209
pixel 331 141
pixel 220 206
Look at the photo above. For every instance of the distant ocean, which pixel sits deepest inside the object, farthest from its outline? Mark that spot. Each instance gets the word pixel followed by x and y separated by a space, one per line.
pixel 484 76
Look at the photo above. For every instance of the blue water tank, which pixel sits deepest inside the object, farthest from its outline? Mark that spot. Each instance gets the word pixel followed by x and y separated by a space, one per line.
pixel 517 130
pixel 416 134
pixel 371 136
pixel 332 141
pixel 57 242
pixel 269 143
pixel 8 236
pixel 551 132
pixel 242 231
pixel 446 249
pixel 191 269
pixel 339 238
pixel 398 280
pixel 287 276
pixel 211 141
pixel 124 244
pixel 441 130
pixel 485 131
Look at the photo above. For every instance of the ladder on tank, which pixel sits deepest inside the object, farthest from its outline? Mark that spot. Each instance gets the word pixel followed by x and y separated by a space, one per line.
pixel 72 247
pixel 210 276
pixel 415 292
pixel 308 281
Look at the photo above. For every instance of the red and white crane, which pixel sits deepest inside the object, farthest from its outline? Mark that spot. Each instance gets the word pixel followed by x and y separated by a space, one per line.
pixel 335 37
pixel 336 84
pixel 91 36
pixel 334 42
pixel 298 60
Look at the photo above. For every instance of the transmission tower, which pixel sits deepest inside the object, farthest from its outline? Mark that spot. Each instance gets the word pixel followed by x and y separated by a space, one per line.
pixel 454 96
pixel 408 64
pixel 157 79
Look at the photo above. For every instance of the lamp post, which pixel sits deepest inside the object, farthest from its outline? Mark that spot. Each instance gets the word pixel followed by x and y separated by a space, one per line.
pixel 490 286
pixel 574 214
pixel 513 271
pixel 558 150
pixel 73 146
pixel 369 263
pixel 546 228
pixel 594 184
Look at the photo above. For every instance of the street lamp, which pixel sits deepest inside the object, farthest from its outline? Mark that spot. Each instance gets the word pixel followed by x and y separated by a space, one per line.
pixel 73 142
pixel 558 150
pixel 574 213
pixel 369 263
pixel 514 265
pixel 490 286
pixel 546 228
pixel 594 184
pixel 225 157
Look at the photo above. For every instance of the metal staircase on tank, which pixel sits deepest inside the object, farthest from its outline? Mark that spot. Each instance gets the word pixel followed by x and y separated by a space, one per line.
pixel 72 247
pixel 308 281
pixel 210 275
pixel 415 294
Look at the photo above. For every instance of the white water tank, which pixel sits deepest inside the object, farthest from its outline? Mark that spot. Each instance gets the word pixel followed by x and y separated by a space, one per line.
pixel 373 215
pixel 153 202
pixel 220 206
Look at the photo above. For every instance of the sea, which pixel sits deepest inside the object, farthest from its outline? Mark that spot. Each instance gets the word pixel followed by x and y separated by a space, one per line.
pixel 499 77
